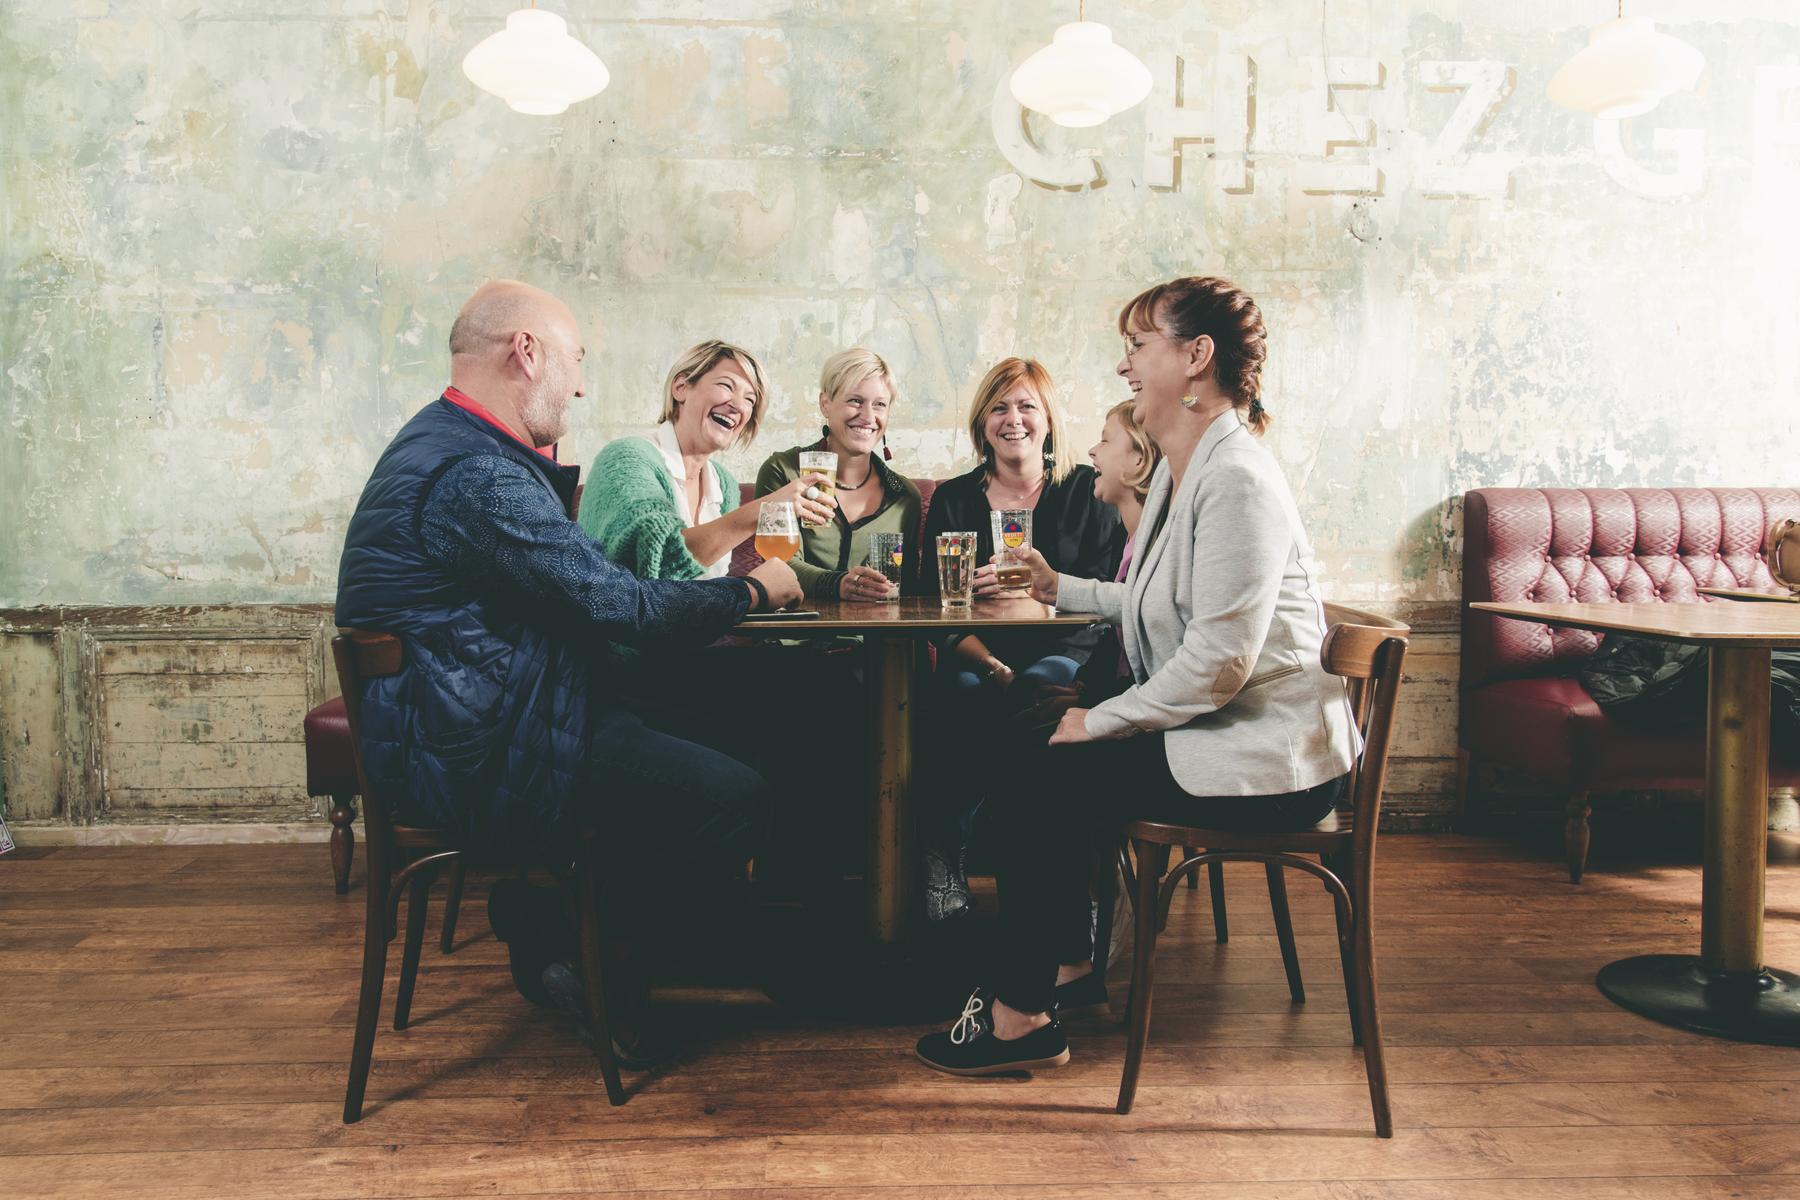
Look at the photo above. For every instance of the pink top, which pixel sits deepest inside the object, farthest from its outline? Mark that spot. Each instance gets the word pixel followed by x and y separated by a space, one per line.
pixel 1124 568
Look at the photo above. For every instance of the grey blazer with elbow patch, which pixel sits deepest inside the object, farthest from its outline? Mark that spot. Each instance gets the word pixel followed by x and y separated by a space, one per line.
pixel 1222 622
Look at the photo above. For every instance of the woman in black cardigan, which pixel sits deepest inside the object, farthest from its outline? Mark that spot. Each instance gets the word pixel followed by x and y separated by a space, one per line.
pixel 990 680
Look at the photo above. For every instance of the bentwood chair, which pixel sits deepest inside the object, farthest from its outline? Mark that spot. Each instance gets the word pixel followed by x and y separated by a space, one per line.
pixel 409 857
pixel 1368 652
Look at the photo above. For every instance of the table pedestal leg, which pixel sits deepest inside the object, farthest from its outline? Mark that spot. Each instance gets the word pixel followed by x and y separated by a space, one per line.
pixel 890 869
pixel 1726 990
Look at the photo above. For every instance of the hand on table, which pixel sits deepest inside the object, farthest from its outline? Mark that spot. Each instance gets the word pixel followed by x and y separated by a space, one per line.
pixel 778 578
pixel 1072 729
pixel 866 585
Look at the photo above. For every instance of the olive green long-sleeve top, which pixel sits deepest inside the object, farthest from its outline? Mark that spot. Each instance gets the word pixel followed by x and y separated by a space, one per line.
pixel 827 552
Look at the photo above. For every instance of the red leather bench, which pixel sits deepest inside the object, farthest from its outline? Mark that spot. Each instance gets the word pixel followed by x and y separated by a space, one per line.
pixel 1522 708
pixel 331 771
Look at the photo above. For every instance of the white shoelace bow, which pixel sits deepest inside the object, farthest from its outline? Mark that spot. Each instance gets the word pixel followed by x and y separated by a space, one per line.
pixel 967 1025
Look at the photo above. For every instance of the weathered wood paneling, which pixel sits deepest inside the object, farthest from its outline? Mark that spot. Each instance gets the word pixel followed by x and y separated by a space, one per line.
pixel 146 715
pixel 31 759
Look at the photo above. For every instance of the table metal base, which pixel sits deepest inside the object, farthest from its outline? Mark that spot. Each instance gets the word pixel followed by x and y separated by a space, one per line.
pixel 1676 990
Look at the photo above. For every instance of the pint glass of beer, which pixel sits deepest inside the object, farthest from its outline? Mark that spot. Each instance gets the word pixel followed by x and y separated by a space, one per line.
pixel 820 462
pixel 777 530
pixel 956 569
pixel 1012 538
pixel 885 555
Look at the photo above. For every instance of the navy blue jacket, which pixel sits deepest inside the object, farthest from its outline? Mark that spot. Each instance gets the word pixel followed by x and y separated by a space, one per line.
pixel 462 545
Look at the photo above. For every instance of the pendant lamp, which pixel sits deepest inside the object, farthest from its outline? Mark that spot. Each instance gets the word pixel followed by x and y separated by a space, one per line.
pixel 534 65
pixel 1082 77
pixel 1626 70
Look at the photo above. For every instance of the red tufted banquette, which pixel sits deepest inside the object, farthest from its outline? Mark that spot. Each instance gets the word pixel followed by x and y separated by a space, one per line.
pixel 1521 706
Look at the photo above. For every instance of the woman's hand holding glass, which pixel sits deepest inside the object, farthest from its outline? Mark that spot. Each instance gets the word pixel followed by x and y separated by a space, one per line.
pixel 865 585
pixel 817 509
pixel 1043 576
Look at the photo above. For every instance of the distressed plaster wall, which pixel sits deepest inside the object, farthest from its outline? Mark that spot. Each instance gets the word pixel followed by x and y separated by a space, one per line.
pixel 235 233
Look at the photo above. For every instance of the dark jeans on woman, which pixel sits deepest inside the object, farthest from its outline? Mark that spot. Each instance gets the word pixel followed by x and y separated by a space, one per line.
pixel 1065 801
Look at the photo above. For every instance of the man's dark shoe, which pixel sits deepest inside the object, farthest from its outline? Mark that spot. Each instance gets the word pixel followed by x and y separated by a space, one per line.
pixel 969 1047
pixel 529 921
pixel 633 1048
pixel 1084 997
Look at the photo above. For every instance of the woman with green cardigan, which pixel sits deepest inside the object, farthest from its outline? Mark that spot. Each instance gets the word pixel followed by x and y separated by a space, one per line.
pixel 659 504
pixel 856 389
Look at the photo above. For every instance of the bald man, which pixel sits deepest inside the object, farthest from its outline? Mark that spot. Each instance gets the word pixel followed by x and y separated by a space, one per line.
pixel 501 725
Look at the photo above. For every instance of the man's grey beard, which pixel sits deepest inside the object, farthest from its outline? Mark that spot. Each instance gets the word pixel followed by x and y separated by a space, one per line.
pixel 546 414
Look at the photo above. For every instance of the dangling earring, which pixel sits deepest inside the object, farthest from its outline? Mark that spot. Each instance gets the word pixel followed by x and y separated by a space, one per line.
pixel 824 433
pixel 1188 401
pixel 885 452
pixel 1049 457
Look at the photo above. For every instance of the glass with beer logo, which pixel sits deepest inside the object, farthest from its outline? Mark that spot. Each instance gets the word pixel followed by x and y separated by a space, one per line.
pixel 1012 538
pixel 777 530
pixel 956 569
pixel 885 555
pixel 821 463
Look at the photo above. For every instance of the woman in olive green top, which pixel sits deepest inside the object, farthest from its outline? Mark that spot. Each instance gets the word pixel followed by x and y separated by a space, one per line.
pixel 856 389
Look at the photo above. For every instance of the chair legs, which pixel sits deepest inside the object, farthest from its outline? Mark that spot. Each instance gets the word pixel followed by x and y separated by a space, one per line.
pixel 452 906
pixel 1374 1058
pixel 343 841
pixel 587 924
pixel 1346 930
pixel 368 1002
pixel 1575 834
pixel 1284 931
pixel 1193 876
pixel 1152 861
pixel 418 899
pixel 1215 879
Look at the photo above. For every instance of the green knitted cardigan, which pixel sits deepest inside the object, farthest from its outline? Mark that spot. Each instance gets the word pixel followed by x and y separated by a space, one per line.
pixel 629 506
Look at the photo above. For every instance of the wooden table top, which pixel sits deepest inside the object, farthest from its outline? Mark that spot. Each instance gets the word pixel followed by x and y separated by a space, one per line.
pixel 1753 597
pixel 1726 624
pixel 913 614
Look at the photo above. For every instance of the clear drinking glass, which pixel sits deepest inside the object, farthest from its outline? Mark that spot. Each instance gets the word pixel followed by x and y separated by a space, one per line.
pixel 956 569
pixel 777 530
pixel 1012 538
pixel 820 462
pixel 886 554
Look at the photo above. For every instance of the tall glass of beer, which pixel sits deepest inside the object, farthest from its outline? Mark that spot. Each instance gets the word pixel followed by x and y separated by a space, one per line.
pixel 1012 538
pixel 956 569
pixel 824 463
pixel 777 530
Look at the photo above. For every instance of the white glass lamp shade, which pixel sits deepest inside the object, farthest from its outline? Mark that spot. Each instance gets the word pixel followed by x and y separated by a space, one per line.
pixel 534 65
pixel 1626 70
pixel 1082 77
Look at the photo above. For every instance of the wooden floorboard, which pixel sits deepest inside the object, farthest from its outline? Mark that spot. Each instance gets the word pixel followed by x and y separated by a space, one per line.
pixel 176 1026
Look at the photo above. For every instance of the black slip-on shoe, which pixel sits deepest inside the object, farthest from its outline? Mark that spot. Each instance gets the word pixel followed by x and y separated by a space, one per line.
pixel 1084 997
pixel 969 1047
pixel 568 996
pixel 516 915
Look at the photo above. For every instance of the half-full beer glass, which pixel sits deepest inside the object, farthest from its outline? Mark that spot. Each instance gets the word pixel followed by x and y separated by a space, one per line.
pixel 1012 538
pixel 956 569
pixel 777 530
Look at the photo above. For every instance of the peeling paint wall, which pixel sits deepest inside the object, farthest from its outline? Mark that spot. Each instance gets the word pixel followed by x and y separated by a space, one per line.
pixel 236 231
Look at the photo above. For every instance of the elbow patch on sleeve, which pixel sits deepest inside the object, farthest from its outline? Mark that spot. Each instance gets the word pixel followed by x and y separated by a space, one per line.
pixel 1231 679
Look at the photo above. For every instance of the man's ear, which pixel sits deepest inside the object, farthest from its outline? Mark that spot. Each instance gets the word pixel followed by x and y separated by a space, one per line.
pixel 530 353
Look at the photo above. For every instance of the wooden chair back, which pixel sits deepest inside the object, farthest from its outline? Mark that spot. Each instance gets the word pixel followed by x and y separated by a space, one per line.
pixel 362 656
pixel 1368 652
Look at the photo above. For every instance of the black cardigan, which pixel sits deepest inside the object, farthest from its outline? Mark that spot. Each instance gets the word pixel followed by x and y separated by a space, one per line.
pixel 1076 533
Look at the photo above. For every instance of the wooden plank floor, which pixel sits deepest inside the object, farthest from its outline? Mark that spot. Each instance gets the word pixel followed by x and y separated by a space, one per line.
pixel 175 1024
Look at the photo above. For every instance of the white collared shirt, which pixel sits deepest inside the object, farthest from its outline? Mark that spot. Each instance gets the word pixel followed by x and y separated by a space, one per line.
pixel 711 499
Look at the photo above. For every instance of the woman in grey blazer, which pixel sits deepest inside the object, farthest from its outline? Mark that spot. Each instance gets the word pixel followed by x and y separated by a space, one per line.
pixel 1229 720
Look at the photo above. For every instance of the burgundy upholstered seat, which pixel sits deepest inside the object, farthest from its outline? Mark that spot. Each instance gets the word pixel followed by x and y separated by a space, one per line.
pixel 1521 705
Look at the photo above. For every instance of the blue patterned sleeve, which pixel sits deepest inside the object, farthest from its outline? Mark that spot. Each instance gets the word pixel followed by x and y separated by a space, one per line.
pixel 492 523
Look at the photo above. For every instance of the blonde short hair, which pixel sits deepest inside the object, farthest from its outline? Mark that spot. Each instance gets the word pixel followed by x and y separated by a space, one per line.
pixel 999 380
pixel 1140 441
pixel 848 369
pixel 702 358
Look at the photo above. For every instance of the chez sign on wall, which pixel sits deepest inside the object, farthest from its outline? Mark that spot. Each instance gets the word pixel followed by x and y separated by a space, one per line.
pixel 1349 123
